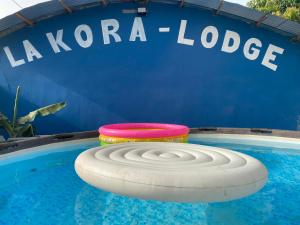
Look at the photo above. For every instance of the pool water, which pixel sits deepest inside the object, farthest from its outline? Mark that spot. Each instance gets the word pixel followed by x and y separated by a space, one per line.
pixel 44 189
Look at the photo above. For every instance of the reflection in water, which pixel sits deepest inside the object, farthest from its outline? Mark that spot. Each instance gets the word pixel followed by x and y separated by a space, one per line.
pixel 96 207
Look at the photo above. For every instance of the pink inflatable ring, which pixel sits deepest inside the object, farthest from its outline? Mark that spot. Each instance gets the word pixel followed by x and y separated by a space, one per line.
pixel 143 130
pixel 136 132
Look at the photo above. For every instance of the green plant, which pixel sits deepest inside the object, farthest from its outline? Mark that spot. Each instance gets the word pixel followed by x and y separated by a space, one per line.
pixel 288 9
pixel 22 127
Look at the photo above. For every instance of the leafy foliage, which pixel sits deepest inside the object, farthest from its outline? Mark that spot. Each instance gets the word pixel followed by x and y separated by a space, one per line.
pixel 289 9
pixel 22 126
pixel 51 109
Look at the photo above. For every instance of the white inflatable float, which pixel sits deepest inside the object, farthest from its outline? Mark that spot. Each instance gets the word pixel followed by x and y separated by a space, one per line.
pixel 171 171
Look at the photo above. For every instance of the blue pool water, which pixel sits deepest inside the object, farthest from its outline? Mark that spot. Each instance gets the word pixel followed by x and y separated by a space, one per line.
pixel 44 189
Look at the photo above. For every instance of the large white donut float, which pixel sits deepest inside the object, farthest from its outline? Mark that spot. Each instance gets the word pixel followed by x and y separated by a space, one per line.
pixel 171 171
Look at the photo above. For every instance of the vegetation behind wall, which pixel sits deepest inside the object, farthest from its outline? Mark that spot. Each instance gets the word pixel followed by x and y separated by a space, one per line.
pixel 289 9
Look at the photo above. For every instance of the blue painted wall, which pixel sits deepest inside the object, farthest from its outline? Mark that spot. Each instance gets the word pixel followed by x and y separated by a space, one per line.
pixel 158 80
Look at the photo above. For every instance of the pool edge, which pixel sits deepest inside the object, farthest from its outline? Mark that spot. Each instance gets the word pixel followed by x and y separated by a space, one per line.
pixel 8 147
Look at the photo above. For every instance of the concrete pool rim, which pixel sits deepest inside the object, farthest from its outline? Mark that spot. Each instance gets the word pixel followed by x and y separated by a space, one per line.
pixel 284 136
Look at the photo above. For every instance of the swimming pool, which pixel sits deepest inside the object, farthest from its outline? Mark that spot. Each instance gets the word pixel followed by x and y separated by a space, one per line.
pixel 41 187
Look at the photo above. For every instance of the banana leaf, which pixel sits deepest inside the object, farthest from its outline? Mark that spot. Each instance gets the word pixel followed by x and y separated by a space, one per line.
pixel 2 118
pixel 6 124
pixel 16 106
pixel 24 131
pixel 51 109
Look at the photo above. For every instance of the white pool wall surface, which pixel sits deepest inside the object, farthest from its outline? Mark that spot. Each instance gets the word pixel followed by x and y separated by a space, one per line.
pixel 257 140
